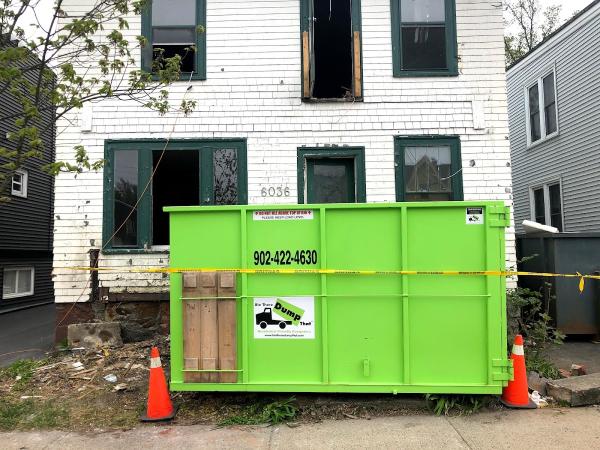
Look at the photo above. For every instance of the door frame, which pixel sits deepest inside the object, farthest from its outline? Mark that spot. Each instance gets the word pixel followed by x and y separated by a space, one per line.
pixel 355 153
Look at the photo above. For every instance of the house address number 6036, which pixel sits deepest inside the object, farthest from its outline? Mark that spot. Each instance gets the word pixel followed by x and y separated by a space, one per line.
pixel 275 191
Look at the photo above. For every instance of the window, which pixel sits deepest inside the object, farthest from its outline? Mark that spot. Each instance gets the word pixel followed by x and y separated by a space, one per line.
pixel 17 282
pixel 335 175
pixel 331 50
pixel 428 169
pixel 19 183
pixel 187 173
pixel 424 37
pixel 175 27
pixel 542 115
pixel 546 205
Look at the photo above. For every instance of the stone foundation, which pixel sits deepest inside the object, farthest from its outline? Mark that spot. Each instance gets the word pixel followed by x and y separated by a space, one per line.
pixel 141 315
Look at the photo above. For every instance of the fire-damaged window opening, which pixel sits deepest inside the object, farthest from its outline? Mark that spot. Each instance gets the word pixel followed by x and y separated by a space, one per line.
pixel 331 50
pixel 176 182
pixel 190 172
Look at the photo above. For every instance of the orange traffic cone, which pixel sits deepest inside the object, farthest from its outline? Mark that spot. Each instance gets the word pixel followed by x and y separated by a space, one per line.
pixel 159 403
pixel 516 394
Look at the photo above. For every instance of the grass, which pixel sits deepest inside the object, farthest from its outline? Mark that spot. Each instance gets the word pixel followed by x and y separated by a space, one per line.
pixel 21 371
pixel 258 413
pixel 449 403
pixel 29 414
pixel 542 366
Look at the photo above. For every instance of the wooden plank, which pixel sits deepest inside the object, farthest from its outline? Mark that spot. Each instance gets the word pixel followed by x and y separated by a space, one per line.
pixel 357 72
pixel 227 326
pixel 191 328
pixel 305 65
pixel 209 344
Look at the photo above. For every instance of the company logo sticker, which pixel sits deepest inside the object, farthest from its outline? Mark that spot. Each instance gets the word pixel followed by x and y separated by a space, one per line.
pixel 284 318
pixel 474 216
pixel 287 214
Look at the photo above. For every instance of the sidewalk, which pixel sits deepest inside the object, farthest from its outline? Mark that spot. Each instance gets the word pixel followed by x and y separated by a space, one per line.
pixel 521 429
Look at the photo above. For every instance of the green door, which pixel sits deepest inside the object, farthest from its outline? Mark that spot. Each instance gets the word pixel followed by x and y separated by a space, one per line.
pixel 330 180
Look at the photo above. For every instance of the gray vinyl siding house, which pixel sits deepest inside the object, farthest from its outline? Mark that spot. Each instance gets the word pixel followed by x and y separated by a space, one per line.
pixel 26 225
pixel 554 121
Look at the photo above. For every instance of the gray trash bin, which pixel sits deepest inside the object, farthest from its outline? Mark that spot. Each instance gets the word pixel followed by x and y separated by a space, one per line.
pixel 574 312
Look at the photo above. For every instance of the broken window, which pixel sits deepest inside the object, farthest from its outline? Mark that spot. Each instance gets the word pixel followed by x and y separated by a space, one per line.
pixel 331 52
pixel 424 36
pixel 175 27
pixel 335 175
pixel 428 169
pixel 187 173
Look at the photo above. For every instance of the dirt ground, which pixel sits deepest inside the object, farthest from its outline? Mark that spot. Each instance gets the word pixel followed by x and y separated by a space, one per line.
pixel 77 390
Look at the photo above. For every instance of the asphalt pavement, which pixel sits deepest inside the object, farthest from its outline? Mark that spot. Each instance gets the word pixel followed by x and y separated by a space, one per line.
pixel 26 333
pixel 556 428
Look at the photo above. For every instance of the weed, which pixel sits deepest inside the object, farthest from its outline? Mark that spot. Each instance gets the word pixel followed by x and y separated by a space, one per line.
pixel 447 403
pixel 281 411
pixel 29 414
pixel 533 321
pixel 21 371
pixel 273 413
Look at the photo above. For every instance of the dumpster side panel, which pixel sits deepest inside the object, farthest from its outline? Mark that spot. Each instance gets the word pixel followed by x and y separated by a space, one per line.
pixel 364 312
pixel 447 314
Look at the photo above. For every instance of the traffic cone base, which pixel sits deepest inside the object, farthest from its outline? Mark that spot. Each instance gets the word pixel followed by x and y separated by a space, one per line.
pixel 516 393
pixel 159 406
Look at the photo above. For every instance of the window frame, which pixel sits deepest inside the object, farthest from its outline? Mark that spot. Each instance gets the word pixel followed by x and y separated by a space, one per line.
pixel 451 44
pixel 18 294
pixel 545 186
pixel 357 63
pixel 145 147
pixel 539 81
pixel 356 153
pixel 400 144
pixel 146 59
pixel 24 179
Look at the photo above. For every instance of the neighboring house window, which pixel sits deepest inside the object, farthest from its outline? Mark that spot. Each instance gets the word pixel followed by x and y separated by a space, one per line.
pixel 424 37
pixel 546 205
pixel 140 179
pixel 428 168
pixel 331 175
pixel 17 282
pixel 175 27
pixel 19 183
pixel 542 120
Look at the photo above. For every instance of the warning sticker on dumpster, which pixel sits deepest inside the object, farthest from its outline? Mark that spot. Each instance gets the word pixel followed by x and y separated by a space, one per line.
pixel 284 318
pixel 284 214
pixel 474 216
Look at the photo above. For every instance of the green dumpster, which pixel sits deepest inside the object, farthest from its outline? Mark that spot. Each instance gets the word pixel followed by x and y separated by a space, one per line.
pixel 319 298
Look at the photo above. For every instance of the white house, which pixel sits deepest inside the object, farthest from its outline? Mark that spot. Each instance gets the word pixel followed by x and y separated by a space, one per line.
pixel 297 101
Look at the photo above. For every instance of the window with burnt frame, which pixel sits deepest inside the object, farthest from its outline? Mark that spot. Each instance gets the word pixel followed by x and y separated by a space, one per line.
pixel 424 37
pixel 143 176
pixel 175 27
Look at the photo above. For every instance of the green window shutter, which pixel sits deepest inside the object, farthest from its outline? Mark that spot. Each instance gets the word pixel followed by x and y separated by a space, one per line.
pixel 451 48
pixel 454 175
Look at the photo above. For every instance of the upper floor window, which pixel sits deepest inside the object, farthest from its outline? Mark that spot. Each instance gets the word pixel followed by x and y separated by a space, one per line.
pixel 19 183
pixel 424 37
pixel 428 168
pixel 546 205
pixel 542 114
pixel 175 27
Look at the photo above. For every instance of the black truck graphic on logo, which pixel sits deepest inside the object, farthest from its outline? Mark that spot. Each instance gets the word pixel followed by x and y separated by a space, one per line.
pixel 266 318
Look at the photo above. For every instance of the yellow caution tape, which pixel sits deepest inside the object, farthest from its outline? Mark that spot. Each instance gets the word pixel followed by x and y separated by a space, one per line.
pixel 501 273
